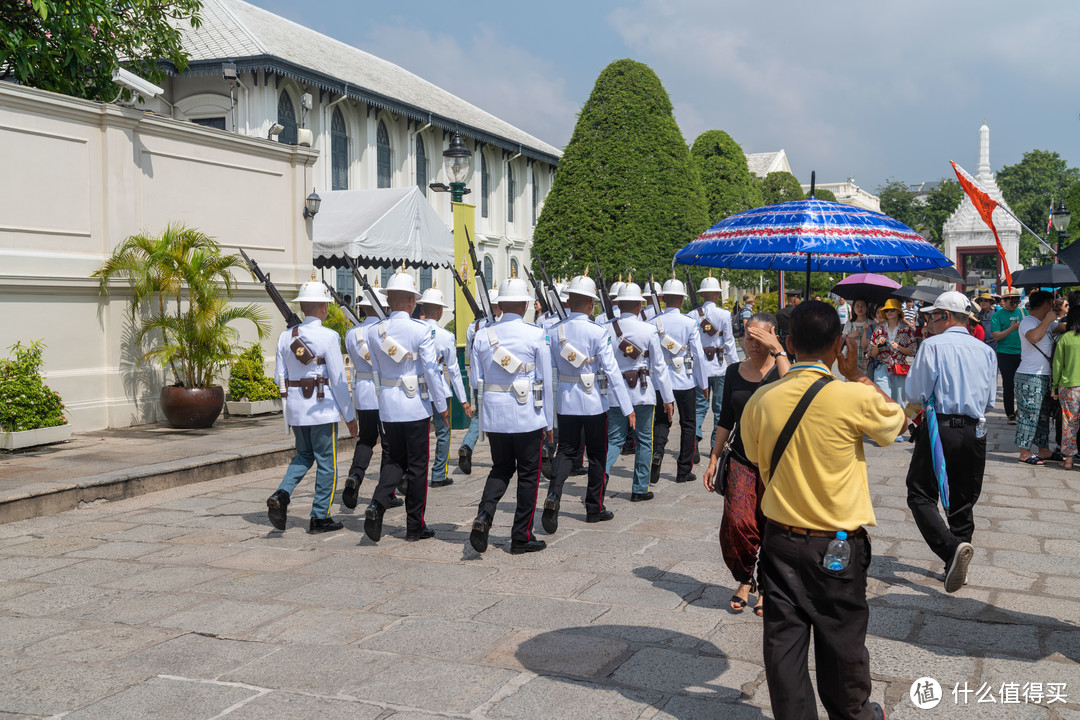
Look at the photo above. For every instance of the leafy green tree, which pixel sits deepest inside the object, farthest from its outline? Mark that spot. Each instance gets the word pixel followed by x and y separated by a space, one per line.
pixel 1030 185
pixel 825 194
pixel 626 194
pixel 729 186
pixel 73 47
pixel 1072 201
pixel 940 203
pixel 898 202
pixel 778 187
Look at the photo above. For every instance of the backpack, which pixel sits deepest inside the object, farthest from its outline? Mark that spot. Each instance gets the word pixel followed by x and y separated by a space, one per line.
pixel 737 329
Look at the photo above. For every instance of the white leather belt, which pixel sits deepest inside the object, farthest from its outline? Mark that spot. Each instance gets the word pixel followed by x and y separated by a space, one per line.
pixel 364 376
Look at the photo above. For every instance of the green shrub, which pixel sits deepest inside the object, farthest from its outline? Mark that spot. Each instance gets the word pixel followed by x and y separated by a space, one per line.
pixel 248 380
pixel 26 402
pixel 335 320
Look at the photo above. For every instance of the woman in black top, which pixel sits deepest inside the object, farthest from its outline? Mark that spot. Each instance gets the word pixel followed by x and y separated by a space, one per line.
pixel 740 529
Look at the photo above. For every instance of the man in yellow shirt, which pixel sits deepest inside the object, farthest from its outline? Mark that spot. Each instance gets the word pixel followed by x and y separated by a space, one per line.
pixel 817 488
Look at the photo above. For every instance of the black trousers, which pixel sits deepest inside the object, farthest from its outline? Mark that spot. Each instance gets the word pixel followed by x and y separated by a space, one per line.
pixel 800 594
pixel 512 452
pixel 1007 364
pixel 367 422
pixel 405 456
pixel 686 404
pixel 965 459
pixel 578 434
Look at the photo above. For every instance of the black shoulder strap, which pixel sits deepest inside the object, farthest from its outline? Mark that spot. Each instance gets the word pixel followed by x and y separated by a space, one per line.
pixel 793 422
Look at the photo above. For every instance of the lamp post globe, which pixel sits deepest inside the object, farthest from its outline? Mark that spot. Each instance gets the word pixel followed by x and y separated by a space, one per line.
pixel 311 205
pixel 457 162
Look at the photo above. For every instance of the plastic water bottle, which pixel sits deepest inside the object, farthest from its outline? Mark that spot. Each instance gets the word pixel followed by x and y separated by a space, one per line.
pixel 838 554
pixel 980 428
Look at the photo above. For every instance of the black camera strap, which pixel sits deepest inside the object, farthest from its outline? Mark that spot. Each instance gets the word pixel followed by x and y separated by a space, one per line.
pixel 793 422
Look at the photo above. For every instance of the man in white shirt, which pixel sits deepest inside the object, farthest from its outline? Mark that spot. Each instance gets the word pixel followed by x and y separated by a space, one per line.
pixel 473 433
pixel 310 374
pixel 512 368
pixel 718 344
pixel 403 352
pixel 432 305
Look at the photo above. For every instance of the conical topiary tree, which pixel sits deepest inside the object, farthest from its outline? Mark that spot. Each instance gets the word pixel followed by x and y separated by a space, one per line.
pixel 778 187
pixel 729 187
pixel 626 193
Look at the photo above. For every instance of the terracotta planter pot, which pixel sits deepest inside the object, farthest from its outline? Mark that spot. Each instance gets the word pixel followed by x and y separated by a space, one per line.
pixel 192 407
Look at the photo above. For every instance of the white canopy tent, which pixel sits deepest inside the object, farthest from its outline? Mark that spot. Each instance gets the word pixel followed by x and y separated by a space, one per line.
pixel 379 227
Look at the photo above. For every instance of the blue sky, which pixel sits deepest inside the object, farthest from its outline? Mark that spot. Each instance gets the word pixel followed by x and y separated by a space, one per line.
pixel 868 90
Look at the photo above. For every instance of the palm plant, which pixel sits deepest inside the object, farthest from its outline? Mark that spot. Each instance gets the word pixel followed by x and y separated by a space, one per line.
pixel 181 284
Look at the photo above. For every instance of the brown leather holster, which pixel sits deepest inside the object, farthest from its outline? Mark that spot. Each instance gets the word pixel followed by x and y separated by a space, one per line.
pixel 308 386
pixel 711 352
pixel 632 376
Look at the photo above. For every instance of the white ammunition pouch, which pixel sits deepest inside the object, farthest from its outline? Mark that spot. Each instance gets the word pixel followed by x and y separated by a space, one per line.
pixel 502 357
pixel 391 347
pixel 409 383
pixel 670 344
pixel 568 352
pixel 520 389
pixel 677 364
pixel 364 352
pixel 588 381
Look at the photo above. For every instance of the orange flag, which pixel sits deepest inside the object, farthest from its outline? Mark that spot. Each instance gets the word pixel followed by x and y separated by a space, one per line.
pixel 985 205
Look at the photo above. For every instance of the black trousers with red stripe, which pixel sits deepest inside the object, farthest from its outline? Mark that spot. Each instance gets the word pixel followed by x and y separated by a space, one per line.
pixel 512 452
pixel 405 456
pixel 367 422
pixel 578 433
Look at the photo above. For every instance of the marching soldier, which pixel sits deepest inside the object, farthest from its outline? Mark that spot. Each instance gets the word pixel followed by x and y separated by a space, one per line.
pixel 512 365
pixel 366 401
pixel 432 305
pixel 404 357
pixel 641 363
pixel 718 344
pixel 464 457
pixel 682 352
pixel 581 351
pixel 310 373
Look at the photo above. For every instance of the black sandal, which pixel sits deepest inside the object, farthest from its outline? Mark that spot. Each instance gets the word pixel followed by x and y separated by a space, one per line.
pixel 737 604
pixel 759 609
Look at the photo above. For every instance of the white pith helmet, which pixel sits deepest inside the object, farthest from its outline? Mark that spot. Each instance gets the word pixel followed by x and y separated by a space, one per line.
pixel 616 286
pixel 433 296
pixel 402 281
pixel 709 284
pixel 363 301
pixel 629 292
pixel 650 289
pixel 313 292
pixel 582 285
pixel 514 290
pixel 674 287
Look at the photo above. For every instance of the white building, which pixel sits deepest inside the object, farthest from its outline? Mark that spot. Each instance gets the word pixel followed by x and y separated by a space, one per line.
pixel 81 176
pixel 970 243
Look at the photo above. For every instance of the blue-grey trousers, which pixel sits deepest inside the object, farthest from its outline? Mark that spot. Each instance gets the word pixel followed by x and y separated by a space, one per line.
pixel 473 433
pixel 442 446
pixel 618 428
pixel 716 395
pixel 315 444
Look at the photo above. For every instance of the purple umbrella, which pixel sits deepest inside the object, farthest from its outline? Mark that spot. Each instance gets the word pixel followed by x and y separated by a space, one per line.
pixel 871 287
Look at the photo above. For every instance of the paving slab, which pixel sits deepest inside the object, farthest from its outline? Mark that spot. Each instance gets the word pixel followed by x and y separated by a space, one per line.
pixel 575 700
pixel 167 699
pixel 290 706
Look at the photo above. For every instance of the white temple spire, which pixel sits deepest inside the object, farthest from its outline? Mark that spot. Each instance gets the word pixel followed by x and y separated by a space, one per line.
pixel 983 170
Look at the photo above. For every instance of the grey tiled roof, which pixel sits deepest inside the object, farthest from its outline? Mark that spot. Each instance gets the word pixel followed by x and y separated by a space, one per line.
pixel 759 163
pixel 255 39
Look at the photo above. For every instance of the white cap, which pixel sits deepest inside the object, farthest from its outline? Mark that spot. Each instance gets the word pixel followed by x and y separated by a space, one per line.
pixel 402 281
pixel 709 284
pixel 433 296
pixel 616 286
pixel 629 292
pixel 583 285
pixel 952 301
pixel 673 287
pixel 364 302
pixel 514 290
pixel 313 292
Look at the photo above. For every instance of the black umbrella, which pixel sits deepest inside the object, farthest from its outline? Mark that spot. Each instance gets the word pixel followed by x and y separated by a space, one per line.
pixel 921 293
pixel 1055 275
pixel 946 274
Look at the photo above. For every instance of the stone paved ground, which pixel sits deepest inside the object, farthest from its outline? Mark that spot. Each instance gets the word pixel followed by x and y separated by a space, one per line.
pixel 181 604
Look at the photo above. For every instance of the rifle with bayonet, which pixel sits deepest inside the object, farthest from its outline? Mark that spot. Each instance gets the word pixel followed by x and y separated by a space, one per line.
pixel 469 299
pixel 373 300
pixel 552 292
pixel 343 303
pixel 545 306
pixel 291 318
pixel 655 301
pixel 694 303
pixel 481 281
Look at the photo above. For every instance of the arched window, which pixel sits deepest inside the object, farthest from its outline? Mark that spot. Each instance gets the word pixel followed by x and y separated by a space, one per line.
pixel 421 170
pixel 286 117
pixel 535 195
pixel 382 142
pixel 425 278
pixel 485 183
pixel 513 267
pixel 509 193
pixel 339 152
pixel 489 270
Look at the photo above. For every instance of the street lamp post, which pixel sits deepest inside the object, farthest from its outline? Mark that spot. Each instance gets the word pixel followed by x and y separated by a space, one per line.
pixel 457 162
pixel 1060 220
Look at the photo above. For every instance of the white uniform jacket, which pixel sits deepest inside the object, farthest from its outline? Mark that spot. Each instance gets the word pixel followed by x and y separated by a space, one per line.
pixel 446 359
pixel 400 398
pixel 643 335
pixel 681 341
pixel 581 347
pixel 470 333
pixel 336 402
pixel 502 410
pixel 723 340
pixel 365 396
